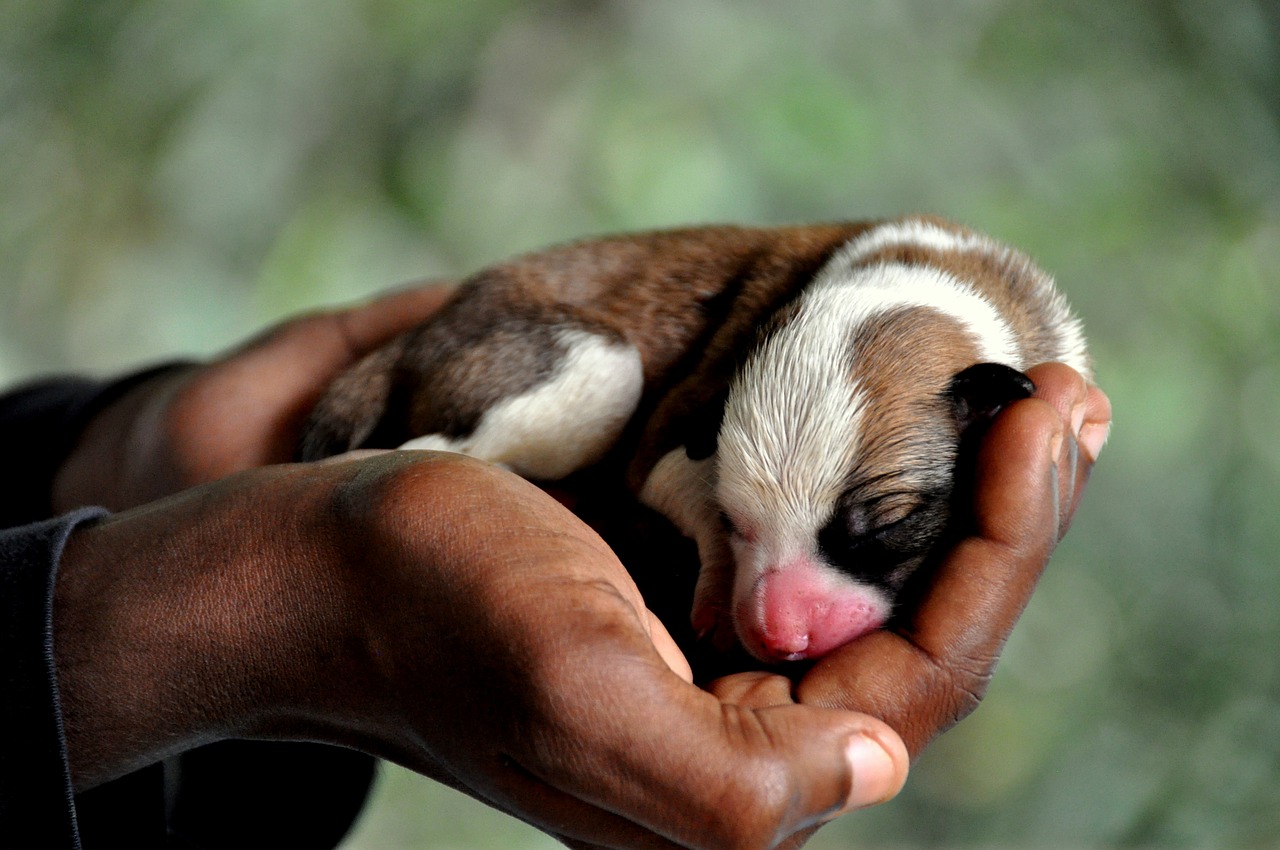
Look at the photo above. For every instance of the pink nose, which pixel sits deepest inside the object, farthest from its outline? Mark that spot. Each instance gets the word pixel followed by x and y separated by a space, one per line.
pixel 805 610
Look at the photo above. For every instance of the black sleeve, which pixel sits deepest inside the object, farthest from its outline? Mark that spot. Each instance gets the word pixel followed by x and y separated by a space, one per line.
pixel 233 793
pixel 39 426
pixel 35 784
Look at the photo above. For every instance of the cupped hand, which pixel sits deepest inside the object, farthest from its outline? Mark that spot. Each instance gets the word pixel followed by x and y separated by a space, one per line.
pixel 200 422
pixel 447 615
pixel 932 669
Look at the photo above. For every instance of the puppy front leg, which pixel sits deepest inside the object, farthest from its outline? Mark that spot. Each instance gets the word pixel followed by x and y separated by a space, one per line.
pixel 683 491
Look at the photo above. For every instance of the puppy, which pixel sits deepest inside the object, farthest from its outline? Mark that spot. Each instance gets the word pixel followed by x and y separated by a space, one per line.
pixel 793 399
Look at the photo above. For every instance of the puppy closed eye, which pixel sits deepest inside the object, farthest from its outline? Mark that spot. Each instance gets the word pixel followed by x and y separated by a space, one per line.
pixel 859 532
pixel 916 531
pixel 734 530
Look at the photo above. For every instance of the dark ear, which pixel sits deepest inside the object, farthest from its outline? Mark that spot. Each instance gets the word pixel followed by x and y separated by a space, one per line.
pixel 980 392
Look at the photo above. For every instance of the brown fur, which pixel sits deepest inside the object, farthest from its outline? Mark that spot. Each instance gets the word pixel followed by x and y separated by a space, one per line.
pixel 694 304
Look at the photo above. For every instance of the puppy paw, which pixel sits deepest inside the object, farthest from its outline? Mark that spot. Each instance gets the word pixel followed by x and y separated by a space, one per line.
pixel 713 626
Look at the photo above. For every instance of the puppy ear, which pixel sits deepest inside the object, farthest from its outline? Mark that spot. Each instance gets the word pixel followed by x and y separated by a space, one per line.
pixel 980 392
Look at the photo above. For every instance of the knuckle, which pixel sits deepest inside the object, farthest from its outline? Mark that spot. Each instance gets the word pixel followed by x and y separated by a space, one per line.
pixel 386 498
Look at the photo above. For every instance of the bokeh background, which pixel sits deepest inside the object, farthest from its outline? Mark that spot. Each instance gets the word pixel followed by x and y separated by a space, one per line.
pixel 173 176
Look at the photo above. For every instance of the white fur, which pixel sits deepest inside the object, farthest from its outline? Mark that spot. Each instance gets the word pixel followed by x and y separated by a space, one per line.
pixel 792 424
pixel 900 285
pixel 864 293
pixel 790 431
pixel 563 424
pixel 918 233
pixel 914 232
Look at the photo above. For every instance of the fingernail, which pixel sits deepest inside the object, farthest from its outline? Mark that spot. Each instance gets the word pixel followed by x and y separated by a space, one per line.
pixel 1055 447
pixel 1093 437
pixel 1077 419
pixel 875 777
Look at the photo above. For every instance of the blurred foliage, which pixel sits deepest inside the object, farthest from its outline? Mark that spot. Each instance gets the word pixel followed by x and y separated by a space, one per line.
pixel 174 175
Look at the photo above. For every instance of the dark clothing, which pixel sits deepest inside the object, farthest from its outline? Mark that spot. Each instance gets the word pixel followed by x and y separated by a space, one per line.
pixel 35 786
pixel 232 794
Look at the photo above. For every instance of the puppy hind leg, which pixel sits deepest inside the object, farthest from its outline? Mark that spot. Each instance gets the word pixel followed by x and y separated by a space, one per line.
pixel 562 423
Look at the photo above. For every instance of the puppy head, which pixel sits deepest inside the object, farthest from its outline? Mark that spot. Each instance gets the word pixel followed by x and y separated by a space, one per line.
pixel 836 454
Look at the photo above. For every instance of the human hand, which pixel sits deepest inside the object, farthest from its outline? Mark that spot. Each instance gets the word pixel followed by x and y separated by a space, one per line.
pixel 449 616
pixel 932 671
pixel 245 409
pixel 926 674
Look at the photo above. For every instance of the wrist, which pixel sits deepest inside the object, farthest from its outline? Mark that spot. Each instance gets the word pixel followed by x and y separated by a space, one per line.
pixel 213 614
pixel 111 687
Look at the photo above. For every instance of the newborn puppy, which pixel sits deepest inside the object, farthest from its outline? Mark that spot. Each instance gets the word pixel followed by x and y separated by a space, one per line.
pixel 793 399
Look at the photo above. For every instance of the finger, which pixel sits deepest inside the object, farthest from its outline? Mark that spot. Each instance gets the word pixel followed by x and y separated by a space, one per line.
pixel 704 773
pixel 760 808
pixel 277 377
pixel 326 340
pixel 926 675
pixel 368 326
pixel 1086 412
pixel 667 648
pixel 753 689
pixel 759 689
pixel 1066 391
pixel 990 576
pixel 1097 423
pixel 683 803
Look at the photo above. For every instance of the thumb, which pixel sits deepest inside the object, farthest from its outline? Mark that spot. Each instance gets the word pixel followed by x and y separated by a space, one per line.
pixel 702 773
pixel 786 769
pixel 839 761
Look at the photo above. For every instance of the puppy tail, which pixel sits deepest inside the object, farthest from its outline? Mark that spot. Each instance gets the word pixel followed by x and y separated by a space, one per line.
pixel 352 407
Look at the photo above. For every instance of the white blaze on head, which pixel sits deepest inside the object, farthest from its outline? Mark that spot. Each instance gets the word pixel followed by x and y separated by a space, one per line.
pixel 794 423
pixel 918 233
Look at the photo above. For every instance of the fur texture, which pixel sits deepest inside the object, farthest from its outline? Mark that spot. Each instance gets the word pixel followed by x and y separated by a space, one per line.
pixel 793 399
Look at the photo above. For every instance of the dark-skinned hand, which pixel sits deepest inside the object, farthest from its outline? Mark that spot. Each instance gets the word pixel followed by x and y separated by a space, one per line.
pixel 444 614
pixel 201 422
pixel 440 613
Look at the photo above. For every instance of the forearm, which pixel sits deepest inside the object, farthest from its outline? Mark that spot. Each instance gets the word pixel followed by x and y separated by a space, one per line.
pixel 207 615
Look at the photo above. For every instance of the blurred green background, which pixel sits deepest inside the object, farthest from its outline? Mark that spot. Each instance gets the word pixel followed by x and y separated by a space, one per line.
pixel 175 175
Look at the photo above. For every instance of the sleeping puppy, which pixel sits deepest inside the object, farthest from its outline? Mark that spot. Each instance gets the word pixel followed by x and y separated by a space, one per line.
pixel 793 399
